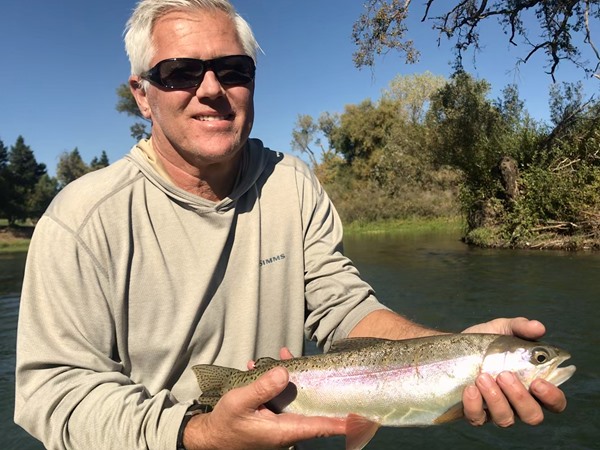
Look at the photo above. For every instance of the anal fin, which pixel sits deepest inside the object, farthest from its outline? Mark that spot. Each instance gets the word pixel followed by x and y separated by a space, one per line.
pixel 454 412
pixel 359 431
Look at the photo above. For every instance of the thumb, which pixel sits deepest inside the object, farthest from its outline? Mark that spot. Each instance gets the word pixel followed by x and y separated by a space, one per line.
pixel 268 386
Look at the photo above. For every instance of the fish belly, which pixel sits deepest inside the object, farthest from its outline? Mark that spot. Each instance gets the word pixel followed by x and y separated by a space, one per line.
pixel 391 396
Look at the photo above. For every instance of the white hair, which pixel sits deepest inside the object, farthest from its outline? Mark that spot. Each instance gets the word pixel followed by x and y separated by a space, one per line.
pixel 138 31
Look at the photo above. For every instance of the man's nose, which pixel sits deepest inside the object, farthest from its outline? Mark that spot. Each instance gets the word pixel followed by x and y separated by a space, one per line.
pixel 210 86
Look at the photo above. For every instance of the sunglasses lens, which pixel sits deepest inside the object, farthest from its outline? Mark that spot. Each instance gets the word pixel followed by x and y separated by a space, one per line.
pixel 180 73
pixel 185 73
pixel 234 70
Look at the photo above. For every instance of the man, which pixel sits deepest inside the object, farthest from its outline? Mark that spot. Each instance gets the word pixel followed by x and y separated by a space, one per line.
pixel 200 246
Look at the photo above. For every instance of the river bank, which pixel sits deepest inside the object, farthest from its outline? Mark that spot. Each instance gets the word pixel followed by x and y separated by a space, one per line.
pixel 16 239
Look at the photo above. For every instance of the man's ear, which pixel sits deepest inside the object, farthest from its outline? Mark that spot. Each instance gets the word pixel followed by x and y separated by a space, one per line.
pixel 139 93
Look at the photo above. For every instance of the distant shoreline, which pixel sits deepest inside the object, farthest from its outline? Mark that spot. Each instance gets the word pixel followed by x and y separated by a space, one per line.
pixel 15 239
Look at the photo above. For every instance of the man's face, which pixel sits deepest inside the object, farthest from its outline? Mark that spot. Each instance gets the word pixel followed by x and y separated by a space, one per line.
pixel 209 124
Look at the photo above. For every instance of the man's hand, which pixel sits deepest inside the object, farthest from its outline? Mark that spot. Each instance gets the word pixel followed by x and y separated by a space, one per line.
pixel 507 398
pixel 240 421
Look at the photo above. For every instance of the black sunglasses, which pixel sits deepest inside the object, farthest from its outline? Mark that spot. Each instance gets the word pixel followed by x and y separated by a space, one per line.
pixel 186 73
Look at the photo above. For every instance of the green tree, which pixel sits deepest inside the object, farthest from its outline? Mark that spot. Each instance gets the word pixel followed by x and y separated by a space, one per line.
pixel 4 183
pixel 412 95
pixel 363 129
pixel 511 107
pixel 565 100
pixel 303 135
pixel 467 129
pixel 126 104
pixel 561 24
pixel 470 133
pixel 41 196
pixel 70 167
pixel 24 172
pixel 99 163
pixel 404 164
pixel 378 164
pixel 307 133
pixel 569 114
pixel 3 155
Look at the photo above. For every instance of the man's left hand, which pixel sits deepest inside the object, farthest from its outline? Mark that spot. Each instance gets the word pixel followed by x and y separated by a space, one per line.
pixel 506 397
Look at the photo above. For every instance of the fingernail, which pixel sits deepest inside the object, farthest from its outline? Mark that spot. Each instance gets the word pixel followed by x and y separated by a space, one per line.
pixel 507 378
pixel 485 380
pixel 539 388
pixel 279 375
pixel 472 392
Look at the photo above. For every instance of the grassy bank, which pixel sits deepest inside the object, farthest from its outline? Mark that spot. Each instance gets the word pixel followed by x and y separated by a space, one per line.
pixel 14 239
pixel 411 226
pixel 16 246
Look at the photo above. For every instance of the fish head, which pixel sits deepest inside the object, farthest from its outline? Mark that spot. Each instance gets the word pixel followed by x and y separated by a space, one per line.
pixel 528 360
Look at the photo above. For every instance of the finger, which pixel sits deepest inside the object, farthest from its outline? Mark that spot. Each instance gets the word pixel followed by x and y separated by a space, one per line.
pixel 473 406
pixel 285 353
pixel 525 328
pixel 251 364
pixel 518 326
pixel 300 428
pixel 526 407
pixel 549 395
pixel 496 326
pixel 501 413
pixel 265 388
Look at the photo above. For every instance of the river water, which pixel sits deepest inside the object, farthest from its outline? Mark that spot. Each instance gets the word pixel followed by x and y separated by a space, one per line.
pixel 440 282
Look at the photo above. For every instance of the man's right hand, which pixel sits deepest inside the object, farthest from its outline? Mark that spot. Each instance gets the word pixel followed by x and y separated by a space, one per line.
pixel 241 421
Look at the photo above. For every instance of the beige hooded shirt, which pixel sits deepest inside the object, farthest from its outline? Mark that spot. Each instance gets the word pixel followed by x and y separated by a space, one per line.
pixel 130 281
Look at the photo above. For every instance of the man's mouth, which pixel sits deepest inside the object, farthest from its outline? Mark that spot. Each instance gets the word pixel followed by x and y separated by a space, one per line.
pixel 213 118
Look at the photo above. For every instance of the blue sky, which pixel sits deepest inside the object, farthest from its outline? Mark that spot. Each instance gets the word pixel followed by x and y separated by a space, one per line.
pixel 62 62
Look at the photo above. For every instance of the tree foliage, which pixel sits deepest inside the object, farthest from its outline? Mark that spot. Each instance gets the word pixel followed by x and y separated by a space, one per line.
pixel 4 181
pixel 126 104
pixel 26 189
pixel 70 167
pixel 383 26
pixel 99 163
pixel 377 164
pixel 412 95
pixel 429 145
pixel 20 175
pixel 468 128
pixel 303 134
pixel 39 199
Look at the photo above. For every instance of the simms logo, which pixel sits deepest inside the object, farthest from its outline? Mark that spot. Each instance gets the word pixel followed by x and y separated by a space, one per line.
pixel 264 262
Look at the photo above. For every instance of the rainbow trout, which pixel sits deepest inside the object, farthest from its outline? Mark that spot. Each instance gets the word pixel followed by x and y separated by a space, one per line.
pixel 379 382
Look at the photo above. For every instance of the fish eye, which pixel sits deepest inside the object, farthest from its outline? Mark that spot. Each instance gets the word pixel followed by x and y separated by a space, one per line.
pixel 539 356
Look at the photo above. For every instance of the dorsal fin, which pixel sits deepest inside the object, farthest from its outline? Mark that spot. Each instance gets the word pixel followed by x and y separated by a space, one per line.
pixel 213 378
pixel 265 361
pixel 353 344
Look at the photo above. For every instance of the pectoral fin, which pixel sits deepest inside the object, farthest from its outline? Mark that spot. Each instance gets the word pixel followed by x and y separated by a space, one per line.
pixel 359 431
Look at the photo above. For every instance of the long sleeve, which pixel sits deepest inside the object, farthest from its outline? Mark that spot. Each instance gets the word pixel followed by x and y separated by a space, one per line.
pixel 71 388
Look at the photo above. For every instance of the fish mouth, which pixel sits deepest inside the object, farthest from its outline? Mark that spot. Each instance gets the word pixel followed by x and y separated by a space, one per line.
pixel 561 374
